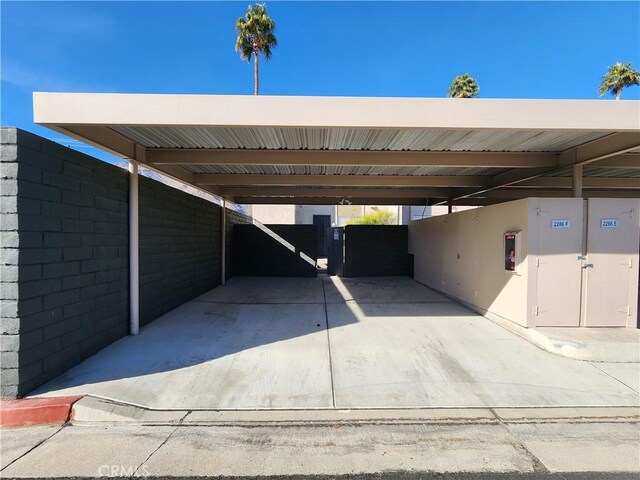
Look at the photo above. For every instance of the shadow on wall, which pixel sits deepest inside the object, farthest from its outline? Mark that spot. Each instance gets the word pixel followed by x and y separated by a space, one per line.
pixel 275 250
pixel 250 312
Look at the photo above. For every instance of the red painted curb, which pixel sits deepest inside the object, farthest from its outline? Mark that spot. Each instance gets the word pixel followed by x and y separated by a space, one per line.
pixel 36 411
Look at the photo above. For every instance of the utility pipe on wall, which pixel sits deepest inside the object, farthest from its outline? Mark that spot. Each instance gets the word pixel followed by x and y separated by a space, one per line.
pixel 134 265
pixel 223 242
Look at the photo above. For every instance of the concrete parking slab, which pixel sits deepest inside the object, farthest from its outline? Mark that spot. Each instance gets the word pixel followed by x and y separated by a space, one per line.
pixel 380 290
pixel 626 373
pixel 280 290
pixel 380 343
pixel 443 355
pixel 207 355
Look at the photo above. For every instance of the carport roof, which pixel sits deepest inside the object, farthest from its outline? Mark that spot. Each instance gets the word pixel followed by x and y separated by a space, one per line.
pixel 274 149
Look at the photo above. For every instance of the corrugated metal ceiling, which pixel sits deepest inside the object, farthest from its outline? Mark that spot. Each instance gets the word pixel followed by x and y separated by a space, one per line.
pixel 338 170
pixel 358 139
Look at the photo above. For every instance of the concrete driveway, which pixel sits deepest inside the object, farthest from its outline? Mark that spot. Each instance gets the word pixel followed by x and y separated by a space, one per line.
pixel 329 342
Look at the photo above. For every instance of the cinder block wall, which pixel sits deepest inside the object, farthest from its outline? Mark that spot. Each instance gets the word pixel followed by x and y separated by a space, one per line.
pixel 64 259
pixel 377 250
pixel 266 250
pixel 233 218
pixel 179 248
pixel 64 270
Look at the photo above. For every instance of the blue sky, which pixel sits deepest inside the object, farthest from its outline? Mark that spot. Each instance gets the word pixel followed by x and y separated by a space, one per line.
pixel 514 49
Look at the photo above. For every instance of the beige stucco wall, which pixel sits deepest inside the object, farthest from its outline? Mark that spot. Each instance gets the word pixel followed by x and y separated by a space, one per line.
pixel 274 214
pixel 462 254
pixel 305 213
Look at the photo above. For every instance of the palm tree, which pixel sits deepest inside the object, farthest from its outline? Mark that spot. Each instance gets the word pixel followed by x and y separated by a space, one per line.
pixel 464 86
pixel 619 76
pixel 255 35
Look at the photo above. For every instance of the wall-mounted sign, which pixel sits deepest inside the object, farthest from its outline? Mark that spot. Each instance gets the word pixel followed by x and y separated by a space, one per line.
pixel 609 223
pixel 561 223
pixel 510 251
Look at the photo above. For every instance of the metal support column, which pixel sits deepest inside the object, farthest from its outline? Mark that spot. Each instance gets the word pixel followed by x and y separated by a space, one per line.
pixel 134 265
pixel 223 242
pixel 577 181
pixel 450 205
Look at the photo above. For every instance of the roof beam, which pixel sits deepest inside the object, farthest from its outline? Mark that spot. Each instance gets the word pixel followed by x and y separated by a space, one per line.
pixel 353 201
pixel 587 182
pixel 515 193
pixel 602 148
pixel 423 193
pixel 342 180
pixel 351 158
pixel 103 138
pixel 628 160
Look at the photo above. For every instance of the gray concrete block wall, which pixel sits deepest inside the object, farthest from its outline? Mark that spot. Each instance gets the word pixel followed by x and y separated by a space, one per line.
pixel 233 218
pixel 64 272
pixel 179 248
pixel 258 253
pixel 377 250
pixel 64 259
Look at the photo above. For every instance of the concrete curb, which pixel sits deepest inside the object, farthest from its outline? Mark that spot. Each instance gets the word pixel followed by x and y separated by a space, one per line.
pixel 591 351
pixel 36 411
pixel 93 410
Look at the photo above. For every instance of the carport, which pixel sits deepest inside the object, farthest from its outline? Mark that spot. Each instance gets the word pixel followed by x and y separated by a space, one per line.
pixel 400 151
pixel 350 343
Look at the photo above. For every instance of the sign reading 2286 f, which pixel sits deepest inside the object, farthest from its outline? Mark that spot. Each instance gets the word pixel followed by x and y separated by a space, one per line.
pixel 561 223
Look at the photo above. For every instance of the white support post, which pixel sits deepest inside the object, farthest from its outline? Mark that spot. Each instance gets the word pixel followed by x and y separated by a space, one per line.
pixel 577 181
pixel 134 265
pixel 223 242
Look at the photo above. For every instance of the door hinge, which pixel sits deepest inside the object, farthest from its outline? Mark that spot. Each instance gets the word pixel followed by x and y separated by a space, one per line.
pixel 537 262
pixel 535 310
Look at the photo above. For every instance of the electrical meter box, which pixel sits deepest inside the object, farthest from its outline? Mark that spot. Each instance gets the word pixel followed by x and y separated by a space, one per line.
pixel 511 243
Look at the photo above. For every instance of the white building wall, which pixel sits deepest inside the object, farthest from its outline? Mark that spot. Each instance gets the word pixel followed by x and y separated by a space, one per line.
pixel 304 213
pixel 274 214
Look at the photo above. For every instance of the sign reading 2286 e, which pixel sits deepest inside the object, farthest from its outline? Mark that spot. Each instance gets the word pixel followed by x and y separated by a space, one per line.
pixel 561 223
pixel 609 223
